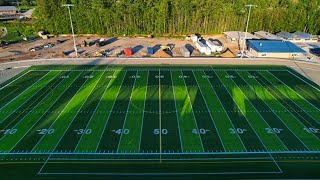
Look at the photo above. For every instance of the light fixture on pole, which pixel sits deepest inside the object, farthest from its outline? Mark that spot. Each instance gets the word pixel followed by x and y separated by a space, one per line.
pixel 74 41
pixel 245 35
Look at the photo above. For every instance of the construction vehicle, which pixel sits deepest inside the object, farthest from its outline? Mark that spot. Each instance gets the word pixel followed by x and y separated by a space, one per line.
pixel 98 54
pixel 165 48
pixel 84 44
pixel 87 44
pixel 101 42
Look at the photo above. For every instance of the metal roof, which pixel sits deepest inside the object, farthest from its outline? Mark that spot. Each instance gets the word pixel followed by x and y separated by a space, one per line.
pixel 239 35
pixel 296 35
pixel 303 35
pixel 267 35
pixel 8 8
pixel 274 46
pixel 29 12
pixel 285 35
pixel 215 42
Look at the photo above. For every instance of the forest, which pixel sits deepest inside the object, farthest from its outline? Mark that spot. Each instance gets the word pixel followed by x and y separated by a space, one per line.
pixel 176 17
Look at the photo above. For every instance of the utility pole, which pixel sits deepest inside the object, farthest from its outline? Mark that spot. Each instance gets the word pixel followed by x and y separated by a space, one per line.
pixel 245 35
pixel 74 41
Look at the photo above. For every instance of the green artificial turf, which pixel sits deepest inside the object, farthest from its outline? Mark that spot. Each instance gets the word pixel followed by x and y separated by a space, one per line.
pixel 184 121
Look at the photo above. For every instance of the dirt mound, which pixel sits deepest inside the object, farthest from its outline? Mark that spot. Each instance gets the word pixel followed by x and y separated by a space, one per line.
pixel 161 54
pixel 227 54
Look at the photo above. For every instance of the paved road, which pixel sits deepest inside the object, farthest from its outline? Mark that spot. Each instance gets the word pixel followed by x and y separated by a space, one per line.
pixel 309 69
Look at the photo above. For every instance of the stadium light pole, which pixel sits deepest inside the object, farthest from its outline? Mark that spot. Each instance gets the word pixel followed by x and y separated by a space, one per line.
pixel 74 40
pixel 245 35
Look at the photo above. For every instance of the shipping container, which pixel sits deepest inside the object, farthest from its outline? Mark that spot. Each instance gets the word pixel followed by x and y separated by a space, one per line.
pixel 150 51
pixel 202 48
pixel 128 51
pixel 184 51
pixel 194 38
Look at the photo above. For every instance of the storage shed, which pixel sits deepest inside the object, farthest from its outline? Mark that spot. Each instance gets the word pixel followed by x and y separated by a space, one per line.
pixel 274 49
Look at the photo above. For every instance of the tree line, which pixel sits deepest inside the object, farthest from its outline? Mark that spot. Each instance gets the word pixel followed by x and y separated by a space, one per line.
pixel 133 17
pixel 17 2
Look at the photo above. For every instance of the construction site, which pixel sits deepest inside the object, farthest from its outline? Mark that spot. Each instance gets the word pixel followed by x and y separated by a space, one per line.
pixel 49 46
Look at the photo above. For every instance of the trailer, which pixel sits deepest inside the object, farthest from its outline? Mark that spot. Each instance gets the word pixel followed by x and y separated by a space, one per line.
pixel 194 38
pixel 208 51
pixel 215 45
pixel 202 48
pixel 185 51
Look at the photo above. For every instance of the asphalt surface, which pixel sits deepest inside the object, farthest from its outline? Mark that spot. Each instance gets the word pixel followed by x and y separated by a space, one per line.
pixel 310 70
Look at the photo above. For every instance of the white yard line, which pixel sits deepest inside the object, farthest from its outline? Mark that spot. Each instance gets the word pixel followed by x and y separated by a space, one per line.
pixel 194 117
pixel 44 164
pixel 160 136
pixel 317 121
pixel 114 102
pixel 145 99
pixel 15 80
pixel 212 120
pixel 252 127
pixel 59 114
pixel 29 111
pixel 306 92
pixel 294 91
pixel 175 104
pixel 255 107
pixel 125 119
pixel 225 109
pixel 286 112
pixel 45 112
pixel 94 111
pixel 75 114
pixel 25 91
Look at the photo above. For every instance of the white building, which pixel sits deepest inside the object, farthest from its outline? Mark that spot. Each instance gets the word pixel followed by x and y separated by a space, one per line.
pixel 275 49
pixel 298 37
pixel 267 35
pixel 238 36
pixel 305 37
pixel 8 10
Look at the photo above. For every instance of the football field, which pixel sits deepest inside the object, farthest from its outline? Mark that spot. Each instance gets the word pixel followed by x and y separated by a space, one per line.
pixel 227 121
